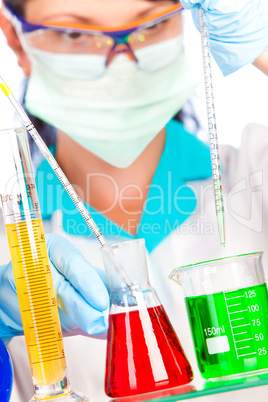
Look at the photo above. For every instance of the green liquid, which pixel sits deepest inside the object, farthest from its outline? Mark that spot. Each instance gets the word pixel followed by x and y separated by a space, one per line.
pixel 230 331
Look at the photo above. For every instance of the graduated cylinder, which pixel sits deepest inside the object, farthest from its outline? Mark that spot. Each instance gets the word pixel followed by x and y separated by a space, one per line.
pixel 24 227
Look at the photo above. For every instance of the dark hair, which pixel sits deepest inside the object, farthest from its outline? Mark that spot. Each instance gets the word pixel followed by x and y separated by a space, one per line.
pixel 16 5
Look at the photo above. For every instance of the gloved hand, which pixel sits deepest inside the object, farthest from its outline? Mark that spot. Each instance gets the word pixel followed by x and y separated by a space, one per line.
pixel 238 30
pixel 80 288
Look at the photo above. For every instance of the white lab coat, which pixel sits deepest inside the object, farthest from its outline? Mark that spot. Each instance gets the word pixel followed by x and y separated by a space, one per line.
pixel 245 185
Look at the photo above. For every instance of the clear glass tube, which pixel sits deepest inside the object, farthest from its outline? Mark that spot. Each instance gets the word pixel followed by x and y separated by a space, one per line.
pixel 31 266
pixel 212 127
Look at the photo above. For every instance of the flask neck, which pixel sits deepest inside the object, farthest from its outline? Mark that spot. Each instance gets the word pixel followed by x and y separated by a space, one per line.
pixel 133 298
pixel 126 265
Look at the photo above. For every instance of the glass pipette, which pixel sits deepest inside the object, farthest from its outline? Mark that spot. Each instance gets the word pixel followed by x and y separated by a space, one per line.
pixel 212 127
pixel 53 163
pixel 61 176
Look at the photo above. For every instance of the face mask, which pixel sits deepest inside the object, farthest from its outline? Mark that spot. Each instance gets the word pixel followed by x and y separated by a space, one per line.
pixel 115 116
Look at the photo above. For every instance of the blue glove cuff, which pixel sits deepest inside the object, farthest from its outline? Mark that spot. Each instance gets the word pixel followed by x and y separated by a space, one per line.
pixel 237 38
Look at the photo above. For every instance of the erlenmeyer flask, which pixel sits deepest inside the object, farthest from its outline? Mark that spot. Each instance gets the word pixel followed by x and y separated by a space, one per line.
pixel 143 351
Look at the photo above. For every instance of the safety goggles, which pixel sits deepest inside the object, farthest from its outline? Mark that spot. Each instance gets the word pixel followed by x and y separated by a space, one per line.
pixel 73 38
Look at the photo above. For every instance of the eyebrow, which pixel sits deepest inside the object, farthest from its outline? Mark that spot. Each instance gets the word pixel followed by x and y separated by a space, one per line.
pixel 144 14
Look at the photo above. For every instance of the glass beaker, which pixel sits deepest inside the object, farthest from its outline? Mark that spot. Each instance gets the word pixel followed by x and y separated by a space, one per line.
pixel 31 266
pixel 227 306
pixel 143 351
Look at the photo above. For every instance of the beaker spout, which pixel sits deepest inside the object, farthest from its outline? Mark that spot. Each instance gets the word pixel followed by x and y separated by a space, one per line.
pixel 175 276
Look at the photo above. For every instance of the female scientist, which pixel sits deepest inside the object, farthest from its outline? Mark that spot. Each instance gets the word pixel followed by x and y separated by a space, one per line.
pixel 105 104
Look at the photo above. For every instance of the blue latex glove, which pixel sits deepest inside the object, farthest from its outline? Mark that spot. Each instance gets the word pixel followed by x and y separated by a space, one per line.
pixel 81 293
pixel 6 377
pixel 238 30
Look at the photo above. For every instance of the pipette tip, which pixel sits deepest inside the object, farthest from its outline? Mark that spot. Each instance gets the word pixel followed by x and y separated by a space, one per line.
pixel 221 227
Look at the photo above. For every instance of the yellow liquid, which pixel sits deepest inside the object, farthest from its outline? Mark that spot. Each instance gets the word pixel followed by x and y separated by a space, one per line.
pixel 37 301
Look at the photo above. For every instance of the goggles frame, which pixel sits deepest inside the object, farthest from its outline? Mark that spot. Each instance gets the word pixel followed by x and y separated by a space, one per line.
pixel 119 34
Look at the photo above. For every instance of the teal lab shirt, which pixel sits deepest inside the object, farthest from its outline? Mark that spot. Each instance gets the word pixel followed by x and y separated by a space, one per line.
pixel 170 201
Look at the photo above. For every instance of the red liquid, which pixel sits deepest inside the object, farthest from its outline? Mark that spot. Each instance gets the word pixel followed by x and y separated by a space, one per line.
pixel 143 354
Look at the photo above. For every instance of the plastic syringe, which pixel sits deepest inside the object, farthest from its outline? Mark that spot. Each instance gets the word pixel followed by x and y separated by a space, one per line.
pixel 53 163
pixel 212 127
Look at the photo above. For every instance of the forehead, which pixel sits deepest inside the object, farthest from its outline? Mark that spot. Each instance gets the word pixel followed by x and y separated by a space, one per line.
pixel 100 12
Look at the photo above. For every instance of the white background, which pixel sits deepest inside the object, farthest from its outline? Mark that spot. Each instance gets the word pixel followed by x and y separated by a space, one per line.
pixel 240 98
